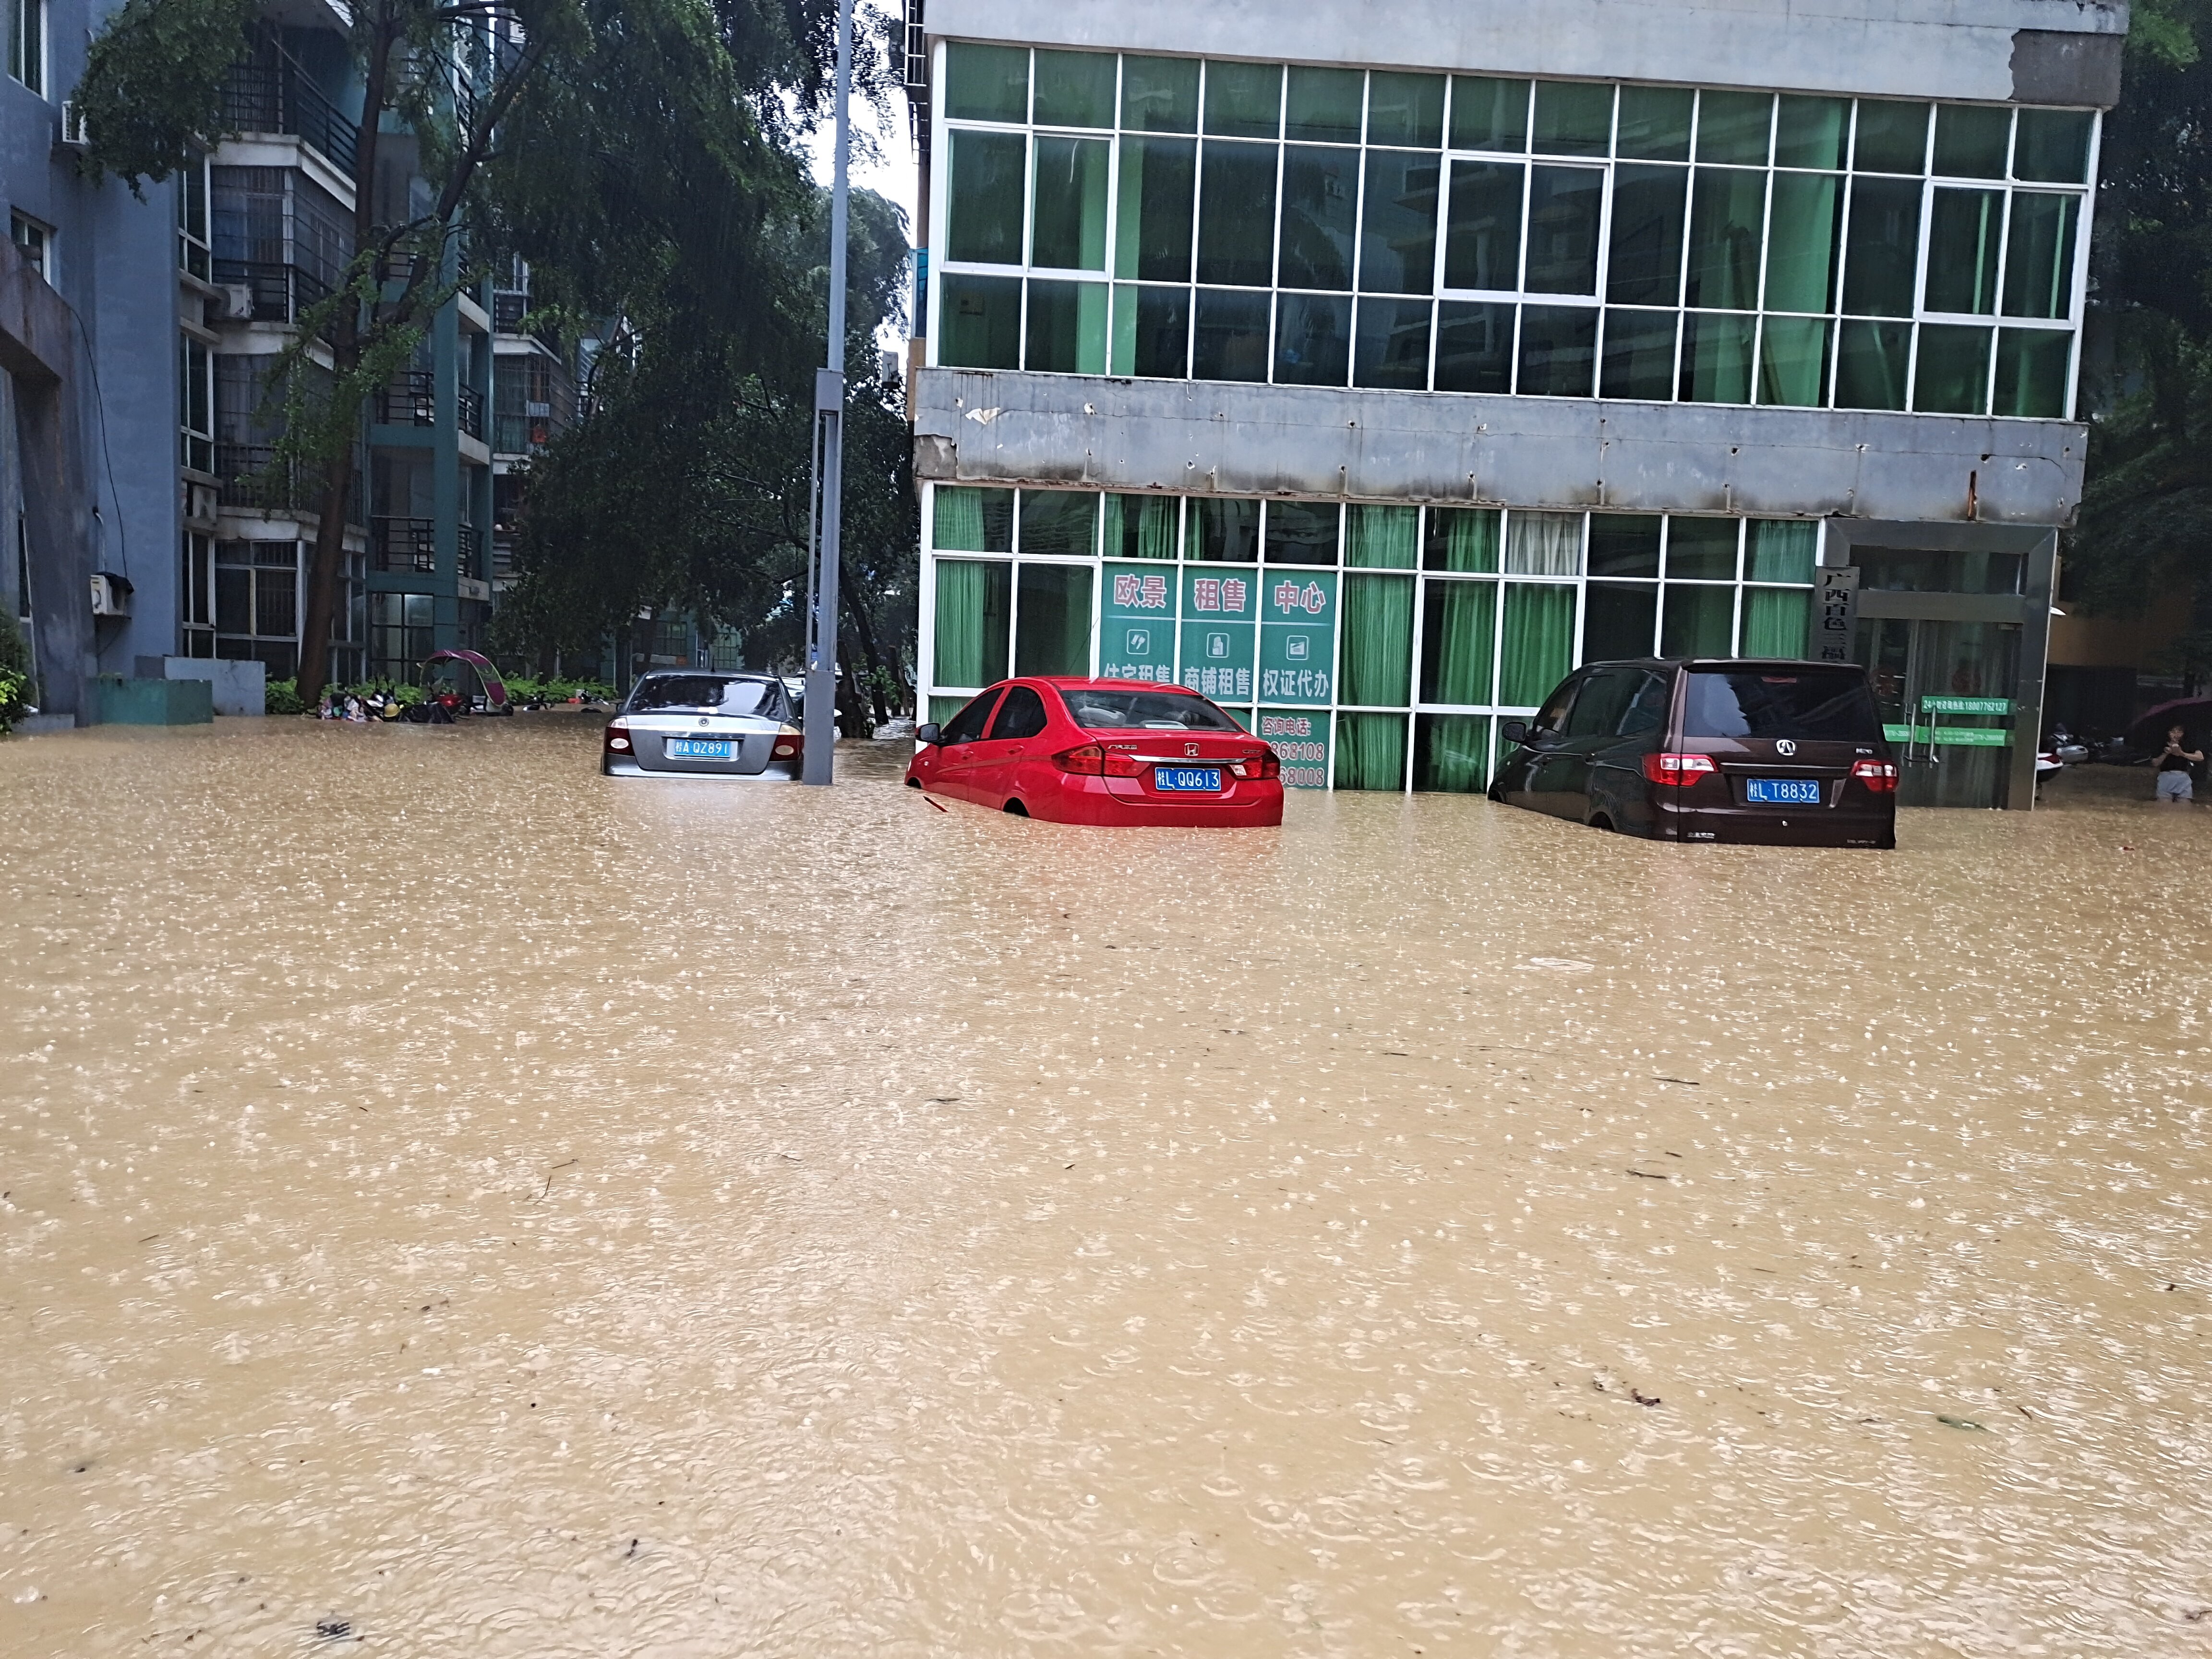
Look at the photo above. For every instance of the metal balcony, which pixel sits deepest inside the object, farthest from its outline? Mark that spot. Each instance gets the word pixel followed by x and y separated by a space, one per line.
pixel 403 545
pixel 411 399
pixel 274 293
pixel 270 93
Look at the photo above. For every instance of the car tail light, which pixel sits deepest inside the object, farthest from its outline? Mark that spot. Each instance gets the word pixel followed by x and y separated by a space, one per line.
pixel 1880 776
pixel 618 737
pixel 789 741
pixel 1095 760
pixel 1678 769
pixel 1265 764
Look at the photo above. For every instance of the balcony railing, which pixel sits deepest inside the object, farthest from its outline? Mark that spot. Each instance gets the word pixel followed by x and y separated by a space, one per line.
pixel 276 293
pixel 504 551
pixel 411 399
pixel 403 545
pixel 268 93
pixel 472 411
pixel 508 308
pixel 253 478
pixel 471 545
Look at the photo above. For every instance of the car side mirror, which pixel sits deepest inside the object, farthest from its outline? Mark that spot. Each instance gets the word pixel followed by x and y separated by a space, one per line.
pixel 926 732
pixel 1514 731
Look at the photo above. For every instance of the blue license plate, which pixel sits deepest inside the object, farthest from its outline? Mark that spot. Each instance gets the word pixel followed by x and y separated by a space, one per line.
pixel 1783 792
pixel 698 748
pixel 1187 780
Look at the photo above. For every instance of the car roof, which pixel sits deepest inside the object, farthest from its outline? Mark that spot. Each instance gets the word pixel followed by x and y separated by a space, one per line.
pixel 1717 662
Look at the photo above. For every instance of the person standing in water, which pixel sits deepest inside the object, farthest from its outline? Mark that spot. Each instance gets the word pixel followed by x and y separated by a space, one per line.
pixel 2175 780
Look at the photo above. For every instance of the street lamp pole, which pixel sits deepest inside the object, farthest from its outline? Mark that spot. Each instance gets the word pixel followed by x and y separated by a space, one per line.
pixel 826 498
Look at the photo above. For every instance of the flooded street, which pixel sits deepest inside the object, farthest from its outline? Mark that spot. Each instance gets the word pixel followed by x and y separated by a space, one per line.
pixel 461 1203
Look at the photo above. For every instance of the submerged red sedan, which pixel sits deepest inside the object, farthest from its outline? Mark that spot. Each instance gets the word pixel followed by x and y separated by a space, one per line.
pixel 1100 751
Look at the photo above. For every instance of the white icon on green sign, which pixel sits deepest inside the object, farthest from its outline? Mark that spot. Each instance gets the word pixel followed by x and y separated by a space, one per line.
pixel 1294 647
pixel 1138 642
pixel 1217 645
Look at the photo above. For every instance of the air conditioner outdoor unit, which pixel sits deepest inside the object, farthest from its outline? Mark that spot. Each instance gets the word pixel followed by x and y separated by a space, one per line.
pixel 237 302
pixel 111 594
pixel 74 132
pixel 199 502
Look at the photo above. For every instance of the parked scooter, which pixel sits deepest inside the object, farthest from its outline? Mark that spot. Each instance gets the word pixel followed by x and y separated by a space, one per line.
pixel 2065 747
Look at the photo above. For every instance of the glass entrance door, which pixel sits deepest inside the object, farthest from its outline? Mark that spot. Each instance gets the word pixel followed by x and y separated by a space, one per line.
pixel 1946 691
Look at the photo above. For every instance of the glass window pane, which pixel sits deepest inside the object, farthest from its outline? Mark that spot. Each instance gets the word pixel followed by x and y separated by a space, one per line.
pixel 1069 233
pixel 1775 621
pixel 1482 234
pixel 1559 348
pixel 275 603
pixel 1655 124
pixel 1323 104
pixel 1474 348
pixel 1537 642
pixel 1302 532
pixel 1487 114
pixel 1952 376
pixel 1870 363
pixel 1728 217
pixel 1732 126
pixel 2052 146
pixel 1698 622
pixel 983 212
pixel 1463 538
pixel 1781 549
pixel 1230 340
pixel 1376 642
pixel 1244 101
pixel 1321 198
pixel 1808 132
pixel 1237 215
pixel 1151 332
pixel 1793 361
pixel 1573 117
pixel 1405 109
pixel 1066 328
pixel 1391 348
pixel 980 321
pixel 1074 88
pixel 1370 751
pixel 1645 268
pixel 2040 255
pixel 1891 137
pixel 1459 640
pixel 1564 204
pixel 1971 140
pixel 1639 355
pixel 1619 620
pixel 1964 228
pixel 1884 247
pixel 1059 521
pixel 1398 223
pixel 1701 550
pixel 970 520
pixel 1224 529
pixel 1159 94
pixel 1804 232
pixel 1153 233
pixel 2031 364
pixel 974 603
pixel 234 600
pixel 1383 538
pixel 1544 544
pixel 1451 753
pixel 986 83
pixel 1624 543
pixel 1051 620
pixel 1313 339
pixel 1141 527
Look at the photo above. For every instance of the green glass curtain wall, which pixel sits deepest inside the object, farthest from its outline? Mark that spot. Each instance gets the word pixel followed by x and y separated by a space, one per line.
pixel 1459 641
pixel 1370 751
pixel 1537 642
pixel 1377 640
pixel 1451 753
pixel 974 607
pixel 1051 620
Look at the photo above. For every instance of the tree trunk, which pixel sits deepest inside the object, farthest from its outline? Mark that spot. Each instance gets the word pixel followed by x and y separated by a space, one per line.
pixel 325 565
pixel 867 636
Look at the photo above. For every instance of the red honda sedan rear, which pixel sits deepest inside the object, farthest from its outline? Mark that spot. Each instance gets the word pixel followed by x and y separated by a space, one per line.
pixel 1100 751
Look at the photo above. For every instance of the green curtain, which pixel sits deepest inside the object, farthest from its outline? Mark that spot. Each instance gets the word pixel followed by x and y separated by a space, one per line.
pixel 1793 361
pixel 1383 537
pixel 1775 621
pixel 1696 621
pixel 1801 241
pixel 972 613
pixel 942 709
pixel 1463 538
pixel 1539 642
pixel 1141 527
pixel 970 520
pixel 1459 641
pixel 1370 751
pixel 1052 627
pixel 1059 521
pixel 1377 640
pixel 1451 753
pixel 1783 550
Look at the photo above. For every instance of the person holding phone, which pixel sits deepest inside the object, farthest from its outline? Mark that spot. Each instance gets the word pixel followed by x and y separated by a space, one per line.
pixel 2175 779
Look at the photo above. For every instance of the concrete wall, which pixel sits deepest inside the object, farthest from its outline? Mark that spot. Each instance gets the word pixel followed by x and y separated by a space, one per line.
pixel 2064 51
pixel 1206 437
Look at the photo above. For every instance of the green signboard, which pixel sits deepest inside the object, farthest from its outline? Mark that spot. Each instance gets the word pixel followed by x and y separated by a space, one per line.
pixel 1934 705
pixel 1299 738
pixel 1220 619
pixel 1297 636
pixel 1136 623
pixel 1960 737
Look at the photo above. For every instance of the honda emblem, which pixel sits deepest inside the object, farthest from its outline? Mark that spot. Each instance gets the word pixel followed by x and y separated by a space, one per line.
pixel 1190 752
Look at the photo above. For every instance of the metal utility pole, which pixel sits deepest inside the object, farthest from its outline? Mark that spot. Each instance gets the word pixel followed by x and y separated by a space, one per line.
pixel 826 501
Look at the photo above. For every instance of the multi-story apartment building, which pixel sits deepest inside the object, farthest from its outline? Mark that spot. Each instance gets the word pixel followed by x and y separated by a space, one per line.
pixel 1368 368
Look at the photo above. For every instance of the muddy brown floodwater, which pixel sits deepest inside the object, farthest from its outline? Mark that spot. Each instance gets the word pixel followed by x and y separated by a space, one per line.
pixel 460 1204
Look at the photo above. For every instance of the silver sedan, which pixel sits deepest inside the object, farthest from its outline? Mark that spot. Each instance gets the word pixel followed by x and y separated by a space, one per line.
pixel 691 724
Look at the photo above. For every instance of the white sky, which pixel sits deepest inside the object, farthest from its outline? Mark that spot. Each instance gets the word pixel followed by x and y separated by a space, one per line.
pixel 883 152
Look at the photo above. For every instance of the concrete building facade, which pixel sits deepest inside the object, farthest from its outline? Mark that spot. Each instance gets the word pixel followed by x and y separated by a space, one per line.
pixel 1368 368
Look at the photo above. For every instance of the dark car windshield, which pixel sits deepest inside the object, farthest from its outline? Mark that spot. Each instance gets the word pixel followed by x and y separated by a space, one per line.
pixel 1097 710
pixel 716 692
pixel 1813 703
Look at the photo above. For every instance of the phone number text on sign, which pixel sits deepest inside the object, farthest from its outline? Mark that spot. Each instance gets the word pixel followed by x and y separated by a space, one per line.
pixel 1301 742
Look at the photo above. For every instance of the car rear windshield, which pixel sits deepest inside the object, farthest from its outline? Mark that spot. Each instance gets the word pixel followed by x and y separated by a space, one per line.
pixel 1812 703
pixel 1146 711
pixel 724 696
